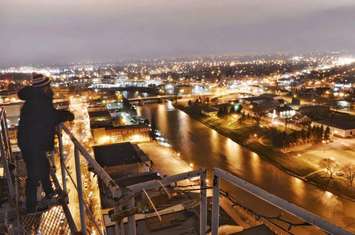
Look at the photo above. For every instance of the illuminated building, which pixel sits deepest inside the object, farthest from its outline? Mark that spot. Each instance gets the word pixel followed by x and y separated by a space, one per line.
pixel 122 159
pixel 124 127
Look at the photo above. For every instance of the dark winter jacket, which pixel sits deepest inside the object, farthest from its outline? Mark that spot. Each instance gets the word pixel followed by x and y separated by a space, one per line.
pixel 38 119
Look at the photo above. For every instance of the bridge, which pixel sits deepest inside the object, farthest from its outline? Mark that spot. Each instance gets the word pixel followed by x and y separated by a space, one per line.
pixel 159 98
pixel 60 220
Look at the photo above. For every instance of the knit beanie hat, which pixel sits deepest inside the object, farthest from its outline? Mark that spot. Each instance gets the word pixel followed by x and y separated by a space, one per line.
pixel 39 80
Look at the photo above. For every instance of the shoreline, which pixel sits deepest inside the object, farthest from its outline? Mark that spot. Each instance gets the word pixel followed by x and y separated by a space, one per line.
pixel 254 148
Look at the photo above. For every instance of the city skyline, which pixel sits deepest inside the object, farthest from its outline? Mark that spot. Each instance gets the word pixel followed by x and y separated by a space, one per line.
pixel 37 32
pixel 257 118
pixel 177 117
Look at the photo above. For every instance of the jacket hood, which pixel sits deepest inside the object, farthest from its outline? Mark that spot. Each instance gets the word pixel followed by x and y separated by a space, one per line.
pixel 31 93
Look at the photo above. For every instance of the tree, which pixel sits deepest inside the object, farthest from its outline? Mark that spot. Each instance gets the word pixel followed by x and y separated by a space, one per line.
pixel 316 133
pixel 276 138
pixel 319 133
pixel 223 110
pixel 330 165
pixel 309 133
pixel 349 171
pixel 284 139
pixel 327 133
pixel 286 122
pixel 303 135
pixel 220 112
pixel 237 108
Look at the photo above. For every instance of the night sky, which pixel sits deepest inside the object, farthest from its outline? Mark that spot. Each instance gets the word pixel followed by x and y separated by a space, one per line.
pixel 66 31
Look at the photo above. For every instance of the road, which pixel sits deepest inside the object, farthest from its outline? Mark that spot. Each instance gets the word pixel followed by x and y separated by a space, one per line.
pixel 204 147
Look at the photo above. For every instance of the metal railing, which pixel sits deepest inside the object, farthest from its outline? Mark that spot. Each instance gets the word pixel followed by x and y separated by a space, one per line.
pixel 7 159
pixel 137 188
pixel 278 202
pixel 81 152
pixel 6 153
pixel 124 198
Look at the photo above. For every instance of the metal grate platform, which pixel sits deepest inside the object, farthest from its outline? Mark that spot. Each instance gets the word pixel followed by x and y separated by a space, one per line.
pixel 51 222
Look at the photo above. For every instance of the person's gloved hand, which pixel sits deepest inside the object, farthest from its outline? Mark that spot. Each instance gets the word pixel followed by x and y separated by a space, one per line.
pixel 67 116
pixel 70 116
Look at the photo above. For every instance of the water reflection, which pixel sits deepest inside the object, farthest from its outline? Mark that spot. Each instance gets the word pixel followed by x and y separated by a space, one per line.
pixel 297 186
pixel 335 206
pixel 184 131
pixel 233 152
pixel 161 118
pixel 214 142
pixel 255 166
pixel 206 148
pixel 139 112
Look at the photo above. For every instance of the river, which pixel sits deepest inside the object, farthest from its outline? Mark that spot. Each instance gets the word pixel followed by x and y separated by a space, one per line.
pixel 204 147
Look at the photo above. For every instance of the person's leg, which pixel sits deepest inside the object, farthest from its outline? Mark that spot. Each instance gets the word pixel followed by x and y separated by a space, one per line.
pixel 45 174
pixel 33 178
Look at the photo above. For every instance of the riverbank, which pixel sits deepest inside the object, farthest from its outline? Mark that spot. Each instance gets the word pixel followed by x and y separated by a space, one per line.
pixel 167 161
pixel 295 166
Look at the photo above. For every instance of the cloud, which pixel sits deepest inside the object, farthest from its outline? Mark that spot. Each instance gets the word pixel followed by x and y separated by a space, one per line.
pixel 65 31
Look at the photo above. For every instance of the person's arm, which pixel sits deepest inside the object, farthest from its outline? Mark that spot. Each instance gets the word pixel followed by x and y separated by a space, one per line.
pixel 63 116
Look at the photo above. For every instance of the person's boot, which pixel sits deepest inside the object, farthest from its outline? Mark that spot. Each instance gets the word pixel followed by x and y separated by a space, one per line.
pixel 49 200
pixel 51 195
pixel 35 211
